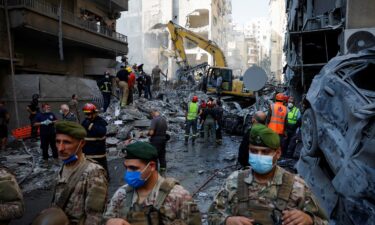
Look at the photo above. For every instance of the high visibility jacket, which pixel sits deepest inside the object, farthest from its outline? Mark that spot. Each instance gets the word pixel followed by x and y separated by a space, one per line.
pixel 192 111
pixel 293 116
pixel 277 121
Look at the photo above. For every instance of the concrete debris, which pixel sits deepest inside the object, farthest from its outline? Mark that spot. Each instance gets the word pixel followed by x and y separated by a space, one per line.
pixel 112 141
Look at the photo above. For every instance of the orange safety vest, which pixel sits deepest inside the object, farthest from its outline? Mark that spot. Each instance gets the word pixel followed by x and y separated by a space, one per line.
pixel 277 122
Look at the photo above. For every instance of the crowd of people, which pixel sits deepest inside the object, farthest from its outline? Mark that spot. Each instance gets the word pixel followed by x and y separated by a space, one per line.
pixel 260 193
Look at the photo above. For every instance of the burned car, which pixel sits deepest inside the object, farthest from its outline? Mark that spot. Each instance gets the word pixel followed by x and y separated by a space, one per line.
pixel 338 134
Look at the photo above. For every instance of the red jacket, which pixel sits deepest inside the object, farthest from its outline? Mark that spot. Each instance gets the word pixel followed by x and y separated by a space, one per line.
pixel 131 80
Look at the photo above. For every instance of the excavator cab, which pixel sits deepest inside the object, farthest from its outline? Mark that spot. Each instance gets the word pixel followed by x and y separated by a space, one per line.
pixel 227 79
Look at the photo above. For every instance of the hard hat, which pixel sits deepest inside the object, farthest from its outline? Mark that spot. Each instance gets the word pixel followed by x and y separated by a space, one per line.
pixel 129 69
pixel 195 98
pixel 89 108
pixel 51 216
pixel 280 97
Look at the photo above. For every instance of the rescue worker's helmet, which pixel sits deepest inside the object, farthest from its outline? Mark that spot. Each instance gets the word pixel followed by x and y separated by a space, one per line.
pixel 280 97
pixel 51 216
pixel 129 69
pixel 89 108
pixel 195 98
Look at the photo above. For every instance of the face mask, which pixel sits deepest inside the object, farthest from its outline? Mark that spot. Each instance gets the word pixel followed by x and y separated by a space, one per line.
pixel 261 164
pixel 73 157
pixel 290 105
pixel 134 179
pixel 107 76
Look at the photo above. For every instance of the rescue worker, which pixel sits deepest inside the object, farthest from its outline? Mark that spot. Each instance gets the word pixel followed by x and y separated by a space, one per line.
pixel 66 114
pixel 4 120
pixel 293 123
pixel 202 107
pixel 122 82
pixel 105 86
pixel 96 128
pixel 158 137
pixel 33 109
pixel 209 122
pixel 11 199
pixel 148 198
pixel 73 106
pixel 278 113
pixel 266 193
pixel 45 120
pixel 219 83
pixel 259 117
pixel 191 120
pixel 82 185
pixel 155 75
pixel 141 80
pixel 219 112
pixel 148 83
pixel 131 83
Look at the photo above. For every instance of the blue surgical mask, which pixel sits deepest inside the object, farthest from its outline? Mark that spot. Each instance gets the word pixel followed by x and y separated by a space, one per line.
pixel 73 157
pixel 261 164
pixel 134 178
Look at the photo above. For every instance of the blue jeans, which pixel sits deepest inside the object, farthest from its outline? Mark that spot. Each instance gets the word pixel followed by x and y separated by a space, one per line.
pixel 148 94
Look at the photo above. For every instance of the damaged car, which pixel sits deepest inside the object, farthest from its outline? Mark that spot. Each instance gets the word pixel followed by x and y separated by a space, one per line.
pixel 338 134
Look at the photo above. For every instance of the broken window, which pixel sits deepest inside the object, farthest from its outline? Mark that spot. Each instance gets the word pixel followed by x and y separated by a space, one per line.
pixel 364 79
pixel 198 18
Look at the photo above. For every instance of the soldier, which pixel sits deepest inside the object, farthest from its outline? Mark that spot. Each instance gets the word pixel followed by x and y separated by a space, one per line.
pixel 148 198
pixel 81 188
pixel 11 200
pixel 265 194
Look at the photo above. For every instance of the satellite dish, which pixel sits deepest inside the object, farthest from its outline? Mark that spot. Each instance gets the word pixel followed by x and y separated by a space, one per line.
pixel 254 78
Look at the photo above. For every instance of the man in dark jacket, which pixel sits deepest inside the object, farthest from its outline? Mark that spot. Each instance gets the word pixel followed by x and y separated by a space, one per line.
pixel 243 150
pixel 105 86
pixel 33 110
pixel 45 120
pixel 96 128
pixel 219 111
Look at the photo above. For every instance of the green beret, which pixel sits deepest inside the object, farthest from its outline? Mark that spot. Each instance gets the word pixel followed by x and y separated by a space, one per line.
pixel 260 135
pixel 141 150
pixel 70 128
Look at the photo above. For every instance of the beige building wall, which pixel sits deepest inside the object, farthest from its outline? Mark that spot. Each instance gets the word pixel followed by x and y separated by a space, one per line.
pixel 278 26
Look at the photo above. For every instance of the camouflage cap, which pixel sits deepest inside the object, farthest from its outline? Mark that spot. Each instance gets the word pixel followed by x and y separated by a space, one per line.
pixel 140 150
pixel 70 128
pixel 260 135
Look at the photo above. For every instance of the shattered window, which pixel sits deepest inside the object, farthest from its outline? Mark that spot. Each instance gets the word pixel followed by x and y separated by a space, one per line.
pixel 365 78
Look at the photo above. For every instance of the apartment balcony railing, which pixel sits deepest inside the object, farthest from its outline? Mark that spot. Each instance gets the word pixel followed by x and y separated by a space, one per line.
pixel 48 9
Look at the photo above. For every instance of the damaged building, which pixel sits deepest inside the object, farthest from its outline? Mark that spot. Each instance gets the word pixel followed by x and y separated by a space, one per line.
pixel 147 20
pixel 319 30
pixel 64 38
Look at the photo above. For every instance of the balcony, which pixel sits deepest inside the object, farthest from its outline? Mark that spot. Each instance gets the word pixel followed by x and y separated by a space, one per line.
pixel 114 5
pixel 43 17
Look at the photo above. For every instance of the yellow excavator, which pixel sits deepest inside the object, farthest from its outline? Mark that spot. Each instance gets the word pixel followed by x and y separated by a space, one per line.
pixel 229 86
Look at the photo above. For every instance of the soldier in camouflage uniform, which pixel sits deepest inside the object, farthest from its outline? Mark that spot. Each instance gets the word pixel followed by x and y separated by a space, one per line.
pixel 148 198
pixel 265 194
pixel 11 200
pixel 81 189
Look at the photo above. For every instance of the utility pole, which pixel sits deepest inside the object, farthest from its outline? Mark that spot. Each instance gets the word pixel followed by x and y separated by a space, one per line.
pixel 11 63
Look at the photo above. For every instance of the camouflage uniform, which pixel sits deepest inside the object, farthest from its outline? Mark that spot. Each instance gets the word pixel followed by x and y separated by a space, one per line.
pixel 227 201
pixel 87 201
pixel 11 200
pixel 177 208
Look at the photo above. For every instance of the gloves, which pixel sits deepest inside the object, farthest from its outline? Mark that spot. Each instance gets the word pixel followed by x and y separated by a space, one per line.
pixel 46 122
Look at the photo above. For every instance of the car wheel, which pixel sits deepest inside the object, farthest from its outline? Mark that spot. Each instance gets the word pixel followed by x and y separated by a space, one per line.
pixel 309 134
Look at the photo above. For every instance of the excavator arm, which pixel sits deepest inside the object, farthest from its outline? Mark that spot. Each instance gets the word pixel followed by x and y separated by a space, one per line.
pixel 178 34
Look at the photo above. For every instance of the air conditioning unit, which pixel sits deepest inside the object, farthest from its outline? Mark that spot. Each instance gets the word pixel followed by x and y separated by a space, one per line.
pixel 356 40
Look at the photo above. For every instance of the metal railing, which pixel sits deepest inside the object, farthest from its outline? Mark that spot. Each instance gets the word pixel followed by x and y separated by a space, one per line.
pixel 53 11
